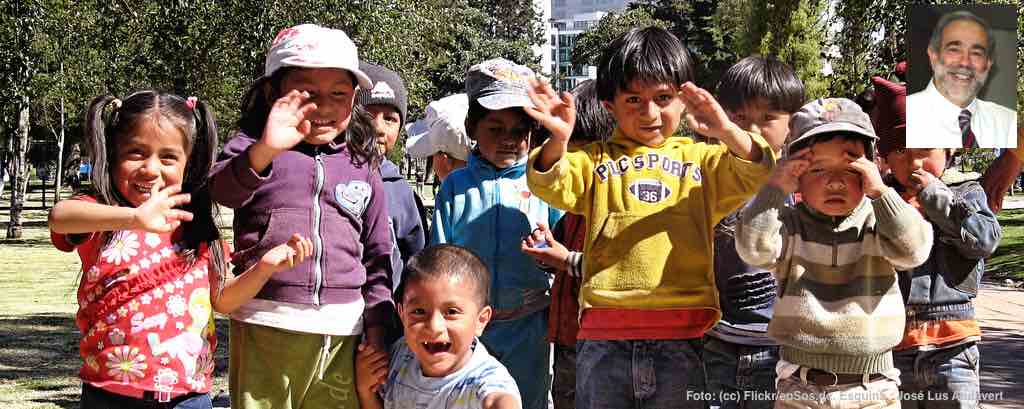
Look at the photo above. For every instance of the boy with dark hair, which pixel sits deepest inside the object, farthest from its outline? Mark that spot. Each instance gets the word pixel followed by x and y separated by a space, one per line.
pixel 938 357
pixel 650 200
pixel 443 304
pixel 759 94
pixel 834 255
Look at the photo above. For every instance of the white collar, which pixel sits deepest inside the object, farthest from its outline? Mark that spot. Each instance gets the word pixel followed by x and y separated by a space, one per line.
pixel 946 107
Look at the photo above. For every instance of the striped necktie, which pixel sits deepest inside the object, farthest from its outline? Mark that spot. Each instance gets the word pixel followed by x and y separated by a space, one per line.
pixel 965 130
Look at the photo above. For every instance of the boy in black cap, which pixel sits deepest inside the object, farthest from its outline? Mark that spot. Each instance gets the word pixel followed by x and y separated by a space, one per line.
pixel 387 105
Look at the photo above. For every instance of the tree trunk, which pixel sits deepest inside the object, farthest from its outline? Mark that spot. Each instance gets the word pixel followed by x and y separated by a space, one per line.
pixel 19 175
pixel 60 150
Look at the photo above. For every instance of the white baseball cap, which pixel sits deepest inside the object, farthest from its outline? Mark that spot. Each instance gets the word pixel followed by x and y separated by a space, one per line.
pixel 442 129
pixel 313 46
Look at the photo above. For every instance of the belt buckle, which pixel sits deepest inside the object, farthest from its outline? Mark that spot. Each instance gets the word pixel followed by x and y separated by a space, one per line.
pixel 835 378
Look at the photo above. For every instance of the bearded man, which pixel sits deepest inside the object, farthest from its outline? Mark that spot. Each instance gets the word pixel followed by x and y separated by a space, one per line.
pixel 948 112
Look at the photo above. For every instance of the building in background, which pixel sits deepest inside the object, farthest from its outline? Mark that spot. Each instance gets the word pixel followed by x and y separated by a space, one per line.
pixel 566 9
pixel 563 34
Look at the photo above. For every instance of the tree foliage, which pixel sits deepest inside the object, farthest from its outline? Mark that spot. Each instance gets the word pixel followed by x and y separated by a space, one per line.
pixel 719 33
pixel 65 52
pixel 590 45
pixel 869 40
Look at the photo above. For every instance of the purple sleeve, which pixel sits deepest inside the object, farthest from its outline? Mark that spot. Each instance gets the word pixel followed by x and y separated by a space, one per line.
pixel 232 179
pixel 376 239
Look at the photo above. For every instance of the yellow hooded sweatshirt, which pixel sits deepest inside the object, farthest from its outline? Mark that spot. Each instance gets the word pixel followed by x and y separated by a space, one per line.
pixel 650 213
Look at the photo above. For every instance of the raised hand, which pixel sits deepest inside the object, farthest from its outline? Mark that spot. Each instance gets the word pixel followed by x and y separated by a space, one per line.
pixel 288 255
pixel 287 124
pixel 703 113
pixel 159 213
pixel 545 250
pixel 871 178
pixel 786 175
pixel 554 112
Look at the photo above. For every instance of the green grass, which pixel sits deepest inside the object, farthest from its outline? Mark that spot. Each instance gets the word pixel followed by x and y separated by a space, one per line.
pixel 38 338
pixel 1008 260
pixel 39 341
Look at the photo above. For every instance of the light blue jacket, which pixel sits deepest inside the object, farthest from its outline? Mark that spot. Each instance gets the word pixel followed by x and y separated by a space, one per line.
pixel 490 211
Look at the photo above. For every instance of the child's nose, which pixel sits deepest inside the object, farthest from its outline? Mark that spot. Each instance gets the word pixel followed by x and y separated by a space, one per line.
pixel 151 166
pixel 436 324
pixel 651 110
pixel 835 181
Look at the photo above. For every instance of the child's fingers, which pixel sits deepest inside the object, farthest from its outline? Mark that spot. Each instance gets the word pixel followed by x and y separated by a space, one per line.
pixel 552 95
pixel 296 98
pixel 178 215
pixel 529 242
pixel 569 101
pixel 690 94
pixel 532 252
pixel 309 246
pixel 179 199
pixel 303 111
pixel 169 191
pixel 535 113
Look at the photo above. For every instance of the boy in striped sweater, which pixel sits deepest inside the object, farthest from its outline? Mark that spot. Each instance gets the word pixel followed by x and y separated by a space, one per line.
pixel 834 255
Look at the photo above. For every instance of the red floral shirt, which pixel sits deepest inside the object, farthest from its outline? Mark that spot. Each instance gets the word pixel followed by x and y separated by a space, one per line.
pixel 144 314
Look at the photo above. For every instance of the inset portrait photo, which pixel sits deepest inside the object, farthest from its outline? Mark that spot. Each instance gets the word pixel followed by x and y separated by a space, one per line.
pixel 961 77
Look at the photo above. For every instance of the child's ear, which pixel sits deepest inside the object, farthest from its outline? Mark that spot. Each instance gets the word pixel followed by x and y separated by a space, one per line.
pixel 607 105
pixel 482 319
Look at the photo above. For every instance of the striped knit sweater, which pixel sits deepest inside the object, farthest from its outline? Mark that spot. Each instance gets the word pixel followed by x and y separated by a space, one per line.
pixel 839 307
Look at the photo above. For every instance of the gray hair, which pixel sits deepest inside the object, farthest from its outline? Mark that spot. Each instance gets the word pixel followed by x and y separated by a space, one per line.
pixel 936 41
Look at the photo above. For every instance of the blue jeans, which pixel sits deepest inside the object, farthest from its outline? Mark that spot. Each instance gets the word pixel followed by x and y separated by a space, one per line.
pixel 639 374
pixel 931 378
pixel 520 345
pixel 96 398
pixel 739 376
pixel 563 386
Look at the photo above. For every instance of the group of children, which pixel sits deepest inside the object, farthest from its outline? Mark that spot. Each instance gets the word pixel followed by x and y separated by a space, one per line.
pixel 685 274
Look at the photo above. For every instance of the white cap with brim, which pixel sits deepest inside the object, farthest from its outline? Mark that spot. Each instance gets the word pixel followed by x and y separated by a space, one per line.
pixel 313 46
pixel 442 129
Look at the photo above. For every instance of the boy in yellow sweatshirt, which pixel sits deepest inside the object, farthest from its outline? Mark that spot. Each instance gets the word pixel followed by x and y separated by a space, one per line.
pixel 651 201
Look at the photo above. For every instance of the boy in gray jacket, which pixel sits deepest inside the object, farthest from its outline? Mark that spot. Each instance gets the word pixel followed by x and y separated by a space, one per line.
pixel 938 357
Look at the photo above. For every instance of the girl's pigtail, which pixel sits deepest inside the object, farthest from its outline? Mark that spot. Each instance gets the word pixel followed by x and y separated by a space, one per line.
pixel 203 227
pixel 97 123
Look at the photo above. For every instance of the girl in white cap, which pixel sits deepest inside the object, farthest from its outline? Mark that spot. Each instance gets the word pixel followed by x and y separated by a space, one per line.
pixel 305 160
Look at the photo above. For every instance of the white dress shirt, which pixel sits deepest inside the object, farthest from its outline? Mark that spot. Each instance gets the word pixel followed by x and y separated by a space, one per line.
pixel 933 122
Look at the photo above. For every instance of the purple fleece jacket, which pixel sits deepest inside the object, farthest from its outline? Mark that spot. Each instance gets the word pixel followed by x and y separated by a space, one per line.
pixel 316 191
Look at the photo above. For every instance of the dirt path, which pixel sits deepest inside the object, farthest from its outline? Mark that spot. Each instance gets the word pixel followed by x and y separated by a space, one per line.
pixel 1001 314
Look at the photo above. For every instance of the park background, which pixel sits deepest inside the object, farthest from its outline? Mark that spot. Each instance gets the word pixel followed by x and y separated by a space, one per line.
pixel 56 55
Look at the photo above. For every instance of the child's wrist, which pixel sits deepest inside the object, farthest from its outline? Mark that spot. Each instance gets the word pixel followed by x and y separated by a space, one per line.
pixel 875 192
pixel 264 150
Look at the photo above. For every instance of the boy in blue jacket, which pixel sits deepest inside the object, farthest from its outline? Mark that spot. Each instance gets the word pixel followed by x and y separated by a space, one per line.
pixel 488 208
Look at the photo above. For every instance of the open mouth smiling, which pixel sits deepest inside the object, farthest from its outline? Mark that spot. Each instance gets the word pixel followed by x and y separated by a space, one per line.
pixel 436 347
